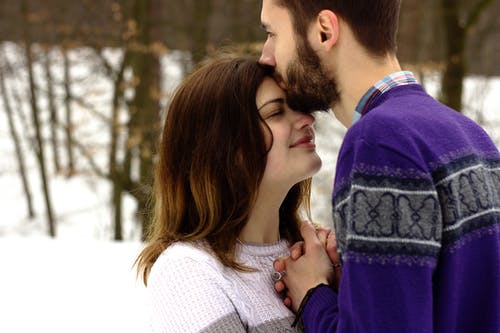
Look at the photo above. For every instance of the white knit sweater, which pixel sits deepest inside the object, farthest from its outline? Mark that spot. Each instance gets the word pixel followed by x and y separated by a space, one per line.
pixel 191 291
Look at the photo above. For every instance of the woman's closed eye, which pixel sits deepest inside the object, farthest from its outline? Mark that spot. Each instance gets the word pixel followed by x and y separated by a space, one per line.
pixel 272 108
pixel 275 113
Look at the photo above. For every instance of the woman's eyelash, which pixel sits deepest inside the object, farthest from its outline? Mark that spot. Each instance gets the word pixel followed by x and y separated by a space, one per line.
pixel 276 112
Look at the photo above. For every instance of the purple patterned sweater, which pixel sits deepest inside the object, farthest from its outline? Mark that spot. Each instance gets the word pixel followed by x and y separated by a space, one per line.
pixel 417 216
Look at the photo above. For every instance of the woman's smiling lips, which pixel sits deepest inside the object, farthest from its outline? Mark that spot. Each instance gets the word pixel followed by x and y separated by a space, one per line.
pixel 307 141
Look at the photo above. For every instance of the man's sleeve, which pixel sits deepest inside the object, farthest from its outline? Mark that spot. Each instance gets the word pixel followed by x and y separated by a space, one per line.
pixel 388 224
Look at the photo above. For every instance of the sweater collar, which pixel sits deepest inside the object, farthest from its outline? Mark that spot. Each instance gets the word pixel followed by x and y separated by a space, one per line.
pixel 388 82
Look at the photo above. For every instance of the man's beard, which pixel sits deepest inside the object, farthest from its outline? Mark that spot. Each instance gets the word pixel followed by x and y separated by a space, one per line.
pixel 309 88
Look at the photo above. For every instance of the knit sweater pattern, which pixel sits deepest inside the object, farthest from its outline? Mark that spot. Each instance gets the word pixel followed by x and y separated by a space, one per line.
pixel 191 291
pixel 416 208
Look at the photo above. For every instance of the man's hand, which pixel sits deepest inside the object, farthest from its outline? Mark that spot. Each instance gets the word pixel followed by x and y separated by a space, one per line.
pixel 311 267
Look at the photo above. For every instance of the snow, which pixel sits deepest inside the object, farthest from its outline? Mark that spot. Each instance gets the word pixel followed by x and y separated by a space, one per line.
pixel 82 281
pixel 69 286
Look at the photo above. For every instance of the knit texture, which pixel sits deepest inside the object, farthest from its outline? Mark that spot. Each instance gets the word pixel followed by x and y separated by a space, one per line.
pixel 416 208
pixel 191 291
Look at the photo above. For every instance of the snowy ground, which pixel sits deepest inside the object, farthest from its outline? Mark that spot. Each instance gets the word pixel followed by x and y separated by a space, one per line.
pixel 69 286
pixel 83 282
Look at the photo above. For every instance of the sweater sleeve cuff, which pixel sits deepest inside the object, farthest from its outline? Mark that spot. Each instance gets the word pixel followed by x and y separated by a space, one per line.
pixel 324 298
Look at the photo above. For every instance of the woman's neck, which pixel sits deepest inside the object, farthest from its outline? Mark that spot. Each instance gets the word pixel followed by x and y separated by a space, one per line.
pixel 263 223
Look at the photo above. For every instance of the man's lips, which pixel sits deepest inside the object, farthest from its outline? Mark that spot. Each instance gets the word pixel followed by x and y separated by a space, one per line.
pixel 307 140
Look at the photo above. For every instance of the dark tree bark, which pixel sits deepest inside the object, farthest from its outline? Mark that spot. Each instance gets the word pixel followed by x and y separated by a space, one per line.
pixel 456 34
pixel 37 124
pixel 202 12
pixel 116 171
pixel 54 118
pixel 144 108
pixel 67 107
pixel 17 146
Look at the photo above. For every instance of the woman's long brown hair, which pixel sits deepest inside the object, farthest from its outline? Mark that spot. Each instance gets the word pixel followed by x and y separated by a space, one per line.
pixel 211 160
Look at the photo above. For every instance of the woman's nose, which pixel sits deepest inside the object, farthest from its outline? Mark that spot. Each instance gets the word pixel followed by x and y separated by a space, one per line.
pixel 303 120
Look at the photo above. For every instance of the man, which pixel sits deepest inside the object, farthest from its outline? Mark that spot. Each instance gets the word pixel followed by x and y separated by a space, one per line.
pixel 416 198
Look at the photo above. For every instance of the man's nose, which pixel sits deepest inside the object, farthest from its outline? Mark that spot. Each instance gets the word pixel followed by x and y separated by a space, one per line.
pixel 267 57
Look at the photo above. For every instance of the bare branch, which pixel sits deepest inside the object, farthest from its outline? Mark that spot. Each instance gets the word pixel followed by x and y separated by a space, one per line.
pixel 476 13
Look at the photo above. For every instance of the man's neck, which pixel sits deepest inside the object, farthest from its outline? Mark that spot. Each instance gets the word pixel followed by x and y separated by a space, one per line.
pixel 355 76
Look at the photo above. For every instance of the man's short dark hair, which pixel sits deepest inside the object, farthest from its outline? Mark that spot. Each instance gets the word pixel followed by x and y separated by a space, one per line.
pixel 373 22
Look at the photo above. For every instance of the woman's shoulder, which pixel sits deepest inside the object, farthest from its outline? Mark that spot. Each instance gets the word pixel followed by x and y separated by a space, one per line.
pixel 189 292
pixel 192 257
pixel 186 250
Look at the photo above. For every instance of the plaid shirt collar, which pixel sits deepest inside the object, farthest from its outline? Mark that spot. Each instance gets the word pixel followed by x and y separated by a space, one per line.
pixel 387 83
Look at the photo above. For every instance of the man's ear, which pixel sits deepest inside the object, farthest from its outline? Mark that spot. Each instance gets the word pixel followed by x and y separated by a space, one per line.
pixel 328 28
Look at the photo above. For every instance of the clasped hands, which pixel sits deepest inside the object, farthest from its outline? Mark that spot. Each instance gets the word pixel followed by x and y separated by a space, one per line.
pixel 311 262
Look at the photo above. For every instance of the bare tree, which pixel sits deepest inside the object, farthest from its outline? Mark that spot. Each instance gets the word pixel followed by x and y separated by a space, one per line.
pixel 36 122
pixel 140 58
pixel 144 108
pixel 54 118
pixel 459 20
pixel 67 107
pixel 17 146
pixel 116 172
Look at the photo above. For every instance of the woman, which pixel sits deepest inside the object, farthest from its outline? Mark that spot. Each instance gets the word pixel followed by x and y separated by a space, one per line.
pixel 232 180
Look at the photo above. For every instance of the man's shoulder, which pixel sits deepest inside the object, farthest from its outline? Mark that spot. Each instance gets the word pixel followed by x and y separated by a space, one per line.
pixel 405 118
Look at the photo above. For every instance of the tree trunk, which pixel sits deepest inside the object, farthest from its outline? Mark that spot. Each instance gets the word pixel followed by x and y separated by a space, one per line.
pixel 54 119
pixel 144 108
pixel 117 176
pixel 454 73
pixel 67 106
pixel 200 32
pixel 17 145
pixel 457 30
pixel 36 122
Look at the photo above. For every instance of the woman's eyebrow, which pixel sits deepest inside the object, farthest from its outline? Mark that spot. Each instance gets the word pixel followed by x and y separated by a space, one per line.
pixel 276 100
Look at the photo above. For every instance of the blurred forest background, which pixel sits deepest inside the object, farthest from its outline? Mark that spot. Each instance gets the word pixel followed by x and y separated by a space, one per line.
pixel 126 42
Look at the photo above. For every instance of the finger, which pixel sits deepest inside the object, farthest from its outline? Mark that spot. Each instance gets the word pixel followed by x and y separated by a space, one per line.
pixel 288 301
pixel 324 229
pixel 296 250
pixel 331 248
pixel 323 234
pixel 279 286
pixel 309 235
pixel 279 264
